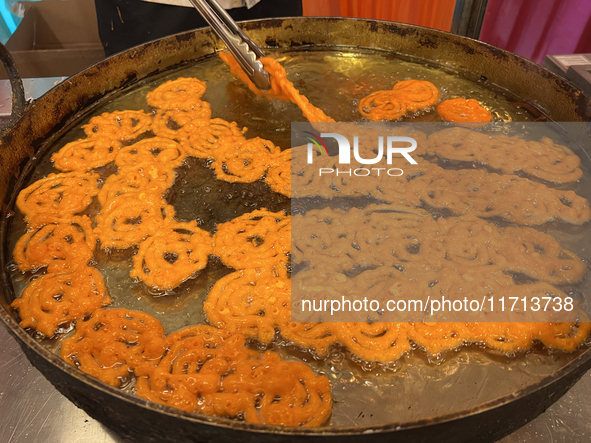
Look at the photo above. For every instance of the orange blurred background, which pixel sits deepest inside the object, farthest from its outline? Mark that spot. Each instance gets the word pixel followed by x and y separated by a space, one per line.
pixel 435 14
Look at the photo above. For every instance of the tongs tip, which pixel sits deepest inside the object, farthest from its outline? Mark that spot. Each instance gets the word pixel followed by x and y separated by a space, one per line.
pixel 246 52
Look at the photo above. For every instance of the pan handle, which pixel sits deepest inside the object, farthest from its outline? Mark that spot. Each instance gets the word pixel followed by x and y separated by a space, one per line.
pixel 19 102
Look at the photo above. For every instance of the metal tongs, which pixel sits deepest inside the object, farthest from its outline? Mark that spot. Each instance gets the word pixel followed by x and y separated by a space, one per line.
pixel 246 52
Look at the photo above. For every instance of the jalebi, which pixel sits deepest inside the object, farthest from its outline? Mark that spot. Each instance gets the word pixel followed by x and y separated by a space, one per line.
pixel 61 195
pixel 171 255
pixel 543 159
pixel 59 299
pixel 180 94
pixel 119 125
pixel 111 343
pixel 259 239
pixel 86 154
pixel 60 244
pixel 463 111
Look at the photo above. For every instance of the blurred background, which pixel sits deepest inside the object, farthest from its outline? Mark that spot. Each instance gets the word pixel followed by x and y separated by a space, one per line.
pixel 530 28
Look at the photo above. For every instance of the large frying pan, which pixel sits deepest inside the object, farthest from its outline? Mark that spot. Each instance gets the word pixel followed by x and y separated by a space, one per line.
pixel 136 418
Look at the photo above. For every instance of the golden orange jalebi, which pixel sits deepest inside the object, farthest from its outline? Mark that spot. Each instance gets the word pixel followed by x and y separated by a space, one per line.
pixel 564 336
pixel 281 87
pixel 131 218
pixel 416 94
pixel 463 111
pixel 384 342
pixel 279 175
pixel 182 94
pixel 437 337
pixel 62 194
pixel 244 163
pixel 258 239
pixel 171 255
pixel 60 244
pixel 543 159
pixel 257 304
pixel 59 299
pixel 149 150
pixel 204 140
pixel 382 106
pixel 251 303
pixel 367 238
pixel 119 125
pixel 86 154
pixel 465 191
pixel 111 343
pixel 405 96
pixel 149 177
pixel 196 360
pixel 176 125
pixel 315 337
pixel 287 393
pixel 210 371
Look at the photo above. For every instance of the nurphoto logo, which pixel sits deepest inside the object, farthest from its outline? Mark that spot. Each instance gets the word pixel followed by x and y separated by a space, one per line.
pixel 344 157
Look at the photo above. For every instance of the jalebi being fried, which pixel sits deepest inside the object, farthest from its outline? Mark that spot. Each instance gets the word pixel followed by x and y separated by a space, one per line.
pixel 209 370
pixel 279 175
pixel 416 94
pixel 465 191
pixel 131 218
pixel 288 393
pixel 171 255
pixel 564 336
pixel 177 125
pixel 382 106
pixel 86 154
pixel 543 159
pixel 60 244
pixel 159 149
pixel 384 342
pixel 56 300
pixel 246 162
pixel 366 238
pixel 150 177
pixel 119 125
pixel 181 94
pixel 259 239
pixel 61 195
pixel 250 302
pixel 512 198
pixel 111 343
pixel 313 336
pixel 196 359
pixel 437 337
pixel 281 87
pixel 464 111
pixel 204 140
pixel 391 248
